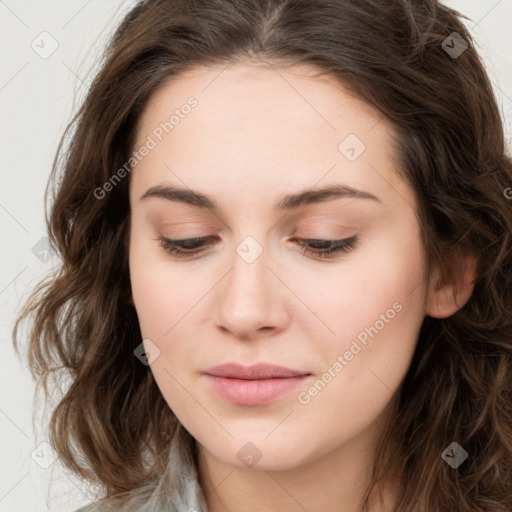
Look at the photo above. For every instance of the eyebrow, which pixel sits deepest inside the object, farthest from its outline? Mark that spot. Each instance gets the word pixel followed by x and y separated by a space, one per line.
pixel 288 202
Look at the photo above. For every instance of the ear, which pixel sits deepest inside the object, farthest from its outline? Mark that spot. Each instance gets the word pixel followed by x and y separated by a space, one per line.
pixel 445 299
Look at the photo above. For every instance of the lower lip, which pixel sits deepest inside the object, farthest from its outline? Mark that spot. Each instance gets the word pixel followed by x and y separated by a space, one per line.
pixel 254 392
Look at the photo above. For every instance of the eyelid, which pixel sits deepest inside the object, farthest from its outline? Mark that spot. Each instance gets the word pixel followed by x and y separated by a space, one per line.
pixel 337 248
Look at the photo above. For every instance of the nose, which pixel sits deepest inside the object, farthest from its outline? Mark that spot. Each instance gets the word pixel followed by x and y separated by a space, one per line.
pixel 251 299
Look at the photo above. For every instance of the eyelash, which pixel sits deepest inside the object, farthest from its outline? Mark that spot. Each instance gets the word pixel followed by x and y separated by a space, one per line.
pixel 340 246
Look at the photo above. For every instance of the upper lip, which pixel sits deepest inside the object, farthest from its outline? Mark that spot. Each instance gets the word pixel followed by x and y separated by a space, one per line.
pixel 257 371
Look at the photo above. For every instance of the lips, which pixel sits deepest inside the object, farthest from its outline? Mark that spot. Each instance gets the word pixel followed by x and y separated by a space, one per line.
pixel 254 385
pixel 257 371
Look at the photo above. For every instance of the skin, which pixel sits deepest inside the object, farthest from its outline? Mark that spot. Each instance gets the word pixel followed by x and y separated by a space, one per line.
pixel 260 132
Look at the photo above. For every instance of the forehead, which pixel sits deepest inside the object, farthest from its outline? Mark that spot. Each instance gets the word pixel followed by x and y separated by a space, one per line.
pixel 256 126
pixel 254 94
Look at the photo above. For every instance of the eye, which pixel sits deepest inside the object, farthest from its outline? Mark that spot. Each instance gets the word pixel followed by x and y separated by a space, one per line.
pixel 182 248
pixel 326 248
pixel 310 246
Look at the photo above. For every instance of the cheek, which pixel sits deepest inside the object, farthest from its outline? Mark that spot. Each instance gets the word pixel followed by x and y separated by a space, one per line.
pixel 162 301
pixel 361 368
pixel 162 293
pixel 367 289
pixel 374 308
pixel 153 300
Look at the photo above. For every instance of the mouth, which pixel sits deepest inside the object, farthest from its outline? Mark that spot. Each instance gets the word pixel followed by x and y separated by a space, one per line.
pixel 253 385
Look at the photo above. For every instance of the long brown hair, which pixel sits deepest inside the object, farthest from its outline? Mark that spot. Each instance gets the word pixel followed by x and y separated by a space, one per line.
pixel 112 425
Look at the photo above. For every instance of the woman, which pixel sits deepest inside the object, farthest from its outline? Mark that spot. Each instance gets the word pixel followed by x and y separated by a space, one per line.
pixel 287 264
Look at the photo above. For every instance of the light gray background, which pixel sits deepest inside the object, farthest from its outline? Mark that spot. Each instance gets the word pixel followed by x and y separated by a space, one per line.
pixel 37 98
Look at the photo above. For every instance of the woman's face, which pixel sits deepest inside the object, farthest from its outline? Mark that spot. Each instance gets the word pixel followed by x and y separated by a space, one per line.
pixel 238 156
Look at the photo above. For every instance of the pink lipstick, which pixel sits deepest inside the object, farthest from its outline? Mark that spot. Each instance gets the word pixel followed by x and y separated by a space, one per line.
pixel 253 385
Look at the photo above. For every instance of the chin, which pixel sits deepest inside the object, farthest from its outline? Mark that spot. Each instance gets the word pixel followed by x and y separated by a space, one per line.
pixel 260 456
